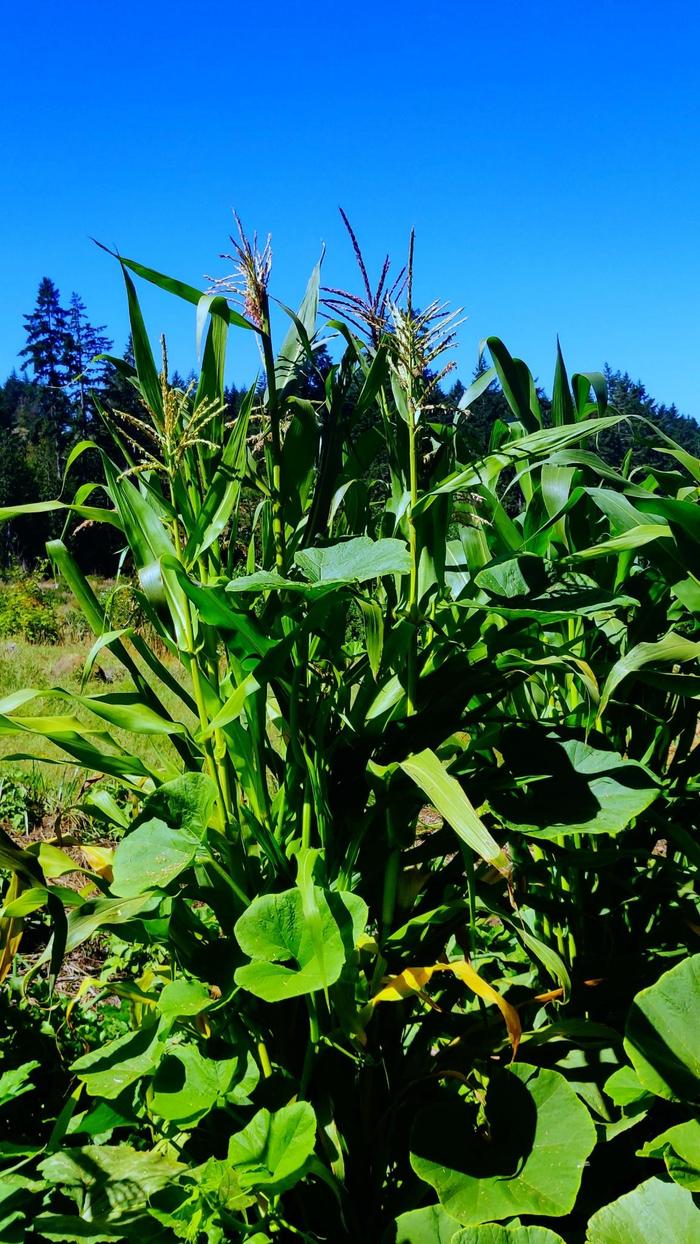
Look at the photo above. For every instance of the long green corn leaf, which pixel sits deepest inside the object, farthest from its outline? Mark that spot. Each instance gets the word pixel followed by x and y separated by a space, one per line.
pixel 445 793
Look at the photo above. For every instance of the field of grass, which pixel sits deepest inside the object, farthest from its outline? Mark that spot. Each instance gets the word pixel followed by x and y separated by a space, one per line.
pixel 52 782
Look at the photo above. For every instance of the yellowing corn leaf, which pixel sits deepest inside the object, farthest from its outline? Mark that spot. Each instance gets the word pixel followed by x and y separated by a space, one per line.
pixel 471 978
pixel 99 859
pixel 411 980
pixel 414 980
pixel 10 927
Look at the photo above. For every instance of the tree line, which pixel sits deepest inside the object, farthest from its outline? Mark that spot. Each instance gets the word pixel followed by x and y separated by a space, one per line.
pixel 67 372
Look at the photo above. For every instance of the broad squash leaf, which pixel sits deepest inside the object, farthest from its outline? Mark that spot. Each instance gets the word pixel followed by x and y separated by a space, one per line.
pixel 661 1036
pixel 354 561
pixel 274 930
pixel 271 1153
pixel 116 1176
pixel 603 791
pixel 540 1137
pixel 182 997
pixel 186 1085
pixel 492 1233
pixel 150 857
pixel 431 1225
pixel 186 803
pixel 679 1147
pixel 651 1213
pixel 110 1068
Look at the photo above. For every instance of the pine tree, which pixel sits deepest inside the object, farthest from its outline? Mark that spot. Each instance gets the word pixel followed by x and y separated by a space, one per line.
pixel 630 397
pixel 45 352
pixel 85 372
pixel 17 396
pixel 47 331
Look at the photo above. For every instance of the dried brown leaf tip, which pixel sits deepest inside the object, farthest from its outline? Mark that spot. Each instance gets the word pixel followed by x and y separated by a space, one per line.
pixel 248 282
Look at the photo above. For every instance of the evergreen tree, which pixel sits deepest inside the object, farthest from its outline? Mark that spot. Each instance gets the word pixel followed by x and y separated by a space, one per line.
pixel 45 352
pixel 47 331
pixel 17 397
pixel 85 372
pixel 629 397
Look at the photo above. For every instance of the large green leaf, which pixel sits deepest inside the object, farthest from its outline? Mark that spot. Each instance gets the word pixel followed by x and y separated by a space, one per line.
pixel 654 1213
pixel 540 1137
pixel 69 1230
pixel 275 930
pixel 183 998
pixel 111 1068
pixel 679 1147
pixel 116 1177
pixel 661 1036
pixel 625 1089
pixel 186 1085
pixel 604 792
pixel 444 791
pixel 494 1234
pixel 186 803
pixel 150 857
pixel 674 648
pixel 431 1225
pixel 513 576
pixel 15 1082
pixel 272 1152
pixel 354 561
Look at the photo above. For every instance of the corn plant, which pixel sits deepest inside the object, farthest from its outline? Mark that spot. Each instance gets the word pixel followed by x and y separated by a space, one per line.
pixel 420 828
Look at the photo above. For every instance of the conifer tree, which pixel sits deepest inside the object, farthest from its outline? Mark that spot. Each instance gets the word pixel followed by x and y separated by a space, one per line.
pixel 47 331
pixel 85 372
pixel 45 354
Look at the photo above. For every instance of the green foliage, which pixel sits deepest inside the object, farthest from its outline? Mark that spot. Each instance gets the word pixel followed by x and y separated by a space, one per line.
pixel 637 1217
pixel 538 1137
pixel 403 882
pixel 15 798
pixel 27 611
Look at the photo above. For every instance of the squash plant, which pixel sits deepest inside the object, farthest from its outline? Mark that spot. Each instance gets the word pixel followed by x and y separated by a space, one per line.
pixel 414 864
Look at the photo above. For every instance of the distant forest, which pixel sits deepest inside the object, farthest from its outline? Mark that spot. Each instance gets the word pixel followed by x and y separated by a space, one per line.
pixel 67 374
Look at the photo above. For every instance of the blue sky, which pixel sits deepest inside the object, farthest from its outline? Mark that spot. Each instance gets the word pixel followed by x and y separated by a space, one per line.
pixel 546 153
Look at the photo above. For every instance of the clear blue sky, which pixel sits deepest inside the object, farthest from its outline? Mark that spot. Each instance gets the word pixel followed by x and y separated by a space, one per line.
pixel 547 153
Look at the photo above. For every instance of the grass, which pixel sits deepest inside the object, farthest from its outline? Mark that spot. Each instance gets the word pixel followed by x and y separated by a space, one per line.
pixel 51 781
